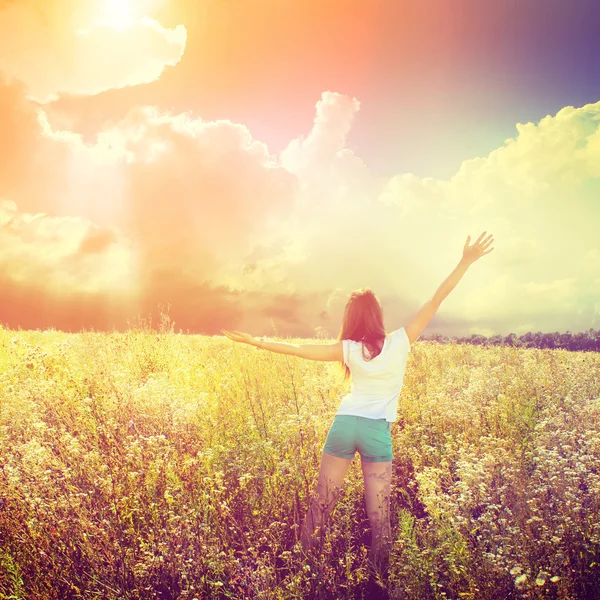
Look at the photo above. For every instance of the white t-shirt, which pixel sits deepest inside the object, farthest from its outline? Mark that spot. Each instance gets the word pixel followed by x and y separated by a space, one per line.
pixel 376 383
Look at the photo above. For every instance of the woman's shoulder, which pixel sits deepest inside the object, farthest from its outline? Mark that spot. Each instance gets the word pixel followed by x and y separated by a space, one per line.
pixel 397 332
pixel 400 334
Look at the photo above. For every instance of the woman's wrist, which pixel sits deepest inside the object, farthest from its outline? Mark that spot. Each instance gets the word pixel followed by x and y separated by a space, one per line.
pixel 465 261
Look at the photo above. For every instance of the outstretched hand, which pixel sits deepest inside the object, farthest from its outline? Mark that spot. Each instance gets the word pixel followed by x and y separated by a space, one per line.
pixel 472 253
pixel 238 336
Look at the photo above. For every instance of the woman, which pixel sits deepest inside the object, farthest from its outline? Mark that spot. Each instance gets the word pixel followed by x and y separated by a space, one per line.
pixel 362 422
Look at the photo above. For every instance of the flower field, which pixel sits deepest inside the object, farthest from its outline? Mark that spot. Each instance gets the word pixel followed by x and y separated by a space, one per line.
pixel 149 464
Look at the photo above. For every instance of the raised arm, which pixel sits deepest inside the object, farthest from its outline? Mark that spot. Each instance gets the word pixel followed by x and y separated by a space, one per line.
pixel 417 324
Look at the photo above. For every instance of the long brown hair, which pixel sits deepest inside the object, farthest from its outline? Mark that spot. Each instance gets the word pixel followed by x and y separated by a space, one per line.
pixel 363 322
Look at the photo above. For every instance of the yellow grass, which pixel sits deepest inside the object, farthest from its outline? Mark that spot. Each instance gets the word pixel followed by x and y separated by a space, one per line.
pixel 155 465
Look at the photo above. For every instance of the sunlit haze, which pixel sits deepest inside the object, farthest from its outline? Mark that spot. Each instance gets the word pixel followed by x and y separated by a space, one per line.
pixel 252 162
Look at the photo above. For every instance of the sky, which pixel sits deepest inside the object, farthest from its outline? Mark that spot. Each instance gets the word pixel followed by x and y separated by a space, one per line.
pixel 246 164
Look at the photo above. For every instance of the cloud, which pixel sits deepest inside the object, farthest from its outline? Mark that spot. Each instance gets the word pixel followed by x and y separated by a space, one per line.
pixel 561 152
pixel 31 165
pixel 166 204
pixel 538 195
pixel 64 253
pixel 62 272
pixel 322 156
pixel 63 47
pixel 413 196
pixel 164 208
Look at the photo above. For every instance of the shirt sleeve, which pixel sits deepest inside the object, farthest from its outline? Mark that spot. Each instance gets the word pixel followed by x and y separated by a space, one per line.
pixel 404 338
pixel 346 349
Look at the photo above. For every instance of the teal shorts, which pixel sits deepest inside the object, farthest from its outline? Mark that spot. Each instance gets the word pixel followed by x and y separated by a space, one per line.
pixel 371 437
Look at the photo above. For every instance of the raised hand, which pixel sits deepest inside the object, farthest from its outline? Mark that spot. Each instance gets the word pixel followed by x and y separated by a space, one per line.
pixel 478 249
pixel 238 336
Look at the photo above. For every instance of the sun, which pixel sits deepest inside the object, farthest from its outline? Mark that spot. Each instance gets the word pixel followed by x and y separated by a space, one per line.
pixel 122 14
pixel 119 14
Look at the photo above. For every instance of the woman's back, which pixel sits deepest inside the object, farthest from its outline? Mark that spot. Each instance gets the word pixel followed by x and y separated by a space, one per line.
pixel 376 382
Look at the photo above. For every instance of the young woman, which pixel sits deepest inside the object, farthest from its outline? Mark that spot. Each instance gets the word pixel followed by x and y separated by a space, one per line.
pixel 363 419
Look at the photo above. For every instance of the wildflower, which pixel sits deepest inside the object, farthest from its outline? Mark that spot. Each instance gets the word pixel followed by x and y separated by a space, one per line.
pixel 520 580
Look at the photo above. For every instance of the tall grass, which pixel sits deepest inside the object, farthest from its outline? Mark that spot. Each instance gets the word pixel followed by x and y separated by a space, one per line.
pixel 150 464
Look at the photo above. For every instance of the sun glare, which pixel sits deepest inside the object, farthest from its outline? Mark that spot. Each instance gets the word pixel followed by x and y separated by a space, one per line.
pixel 122 14
pixel 117 13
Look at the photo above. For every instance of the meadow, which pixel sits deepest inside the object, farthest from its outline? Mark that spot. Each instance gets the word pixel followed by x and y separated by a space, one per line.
pixel 150 464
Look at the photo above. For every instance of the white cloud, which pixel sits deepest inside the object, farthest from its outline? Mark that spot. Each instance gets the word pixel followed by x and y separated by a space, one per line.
pixel 295 234
pixel 58 47
pixel 64 253
pixel 322 155
pixel 536 194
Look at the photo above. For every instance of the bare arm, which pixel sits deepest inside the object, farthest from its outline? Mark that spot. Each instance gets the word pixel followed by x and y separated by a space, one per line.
pixel 310 351
pixel 470 254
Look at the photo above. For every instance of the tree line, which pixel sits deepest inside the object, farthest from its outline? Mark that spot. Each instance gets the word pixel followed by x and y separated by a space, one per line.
pixel 587 341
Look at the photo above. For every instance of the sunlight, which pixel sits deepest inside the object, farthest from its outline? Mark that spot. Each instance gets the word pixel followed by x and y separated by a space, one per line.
pixel 121 14
pixel 118 13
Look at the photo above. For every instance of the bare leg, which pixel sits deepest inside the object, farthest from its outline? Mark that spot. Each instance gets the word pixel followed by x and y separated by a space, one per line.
pixel 378 483
pixel 331 476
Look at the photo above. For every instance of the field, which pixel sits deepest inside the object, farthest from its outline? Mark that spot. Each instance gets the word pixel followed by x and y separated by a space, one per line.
pixel 151 464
